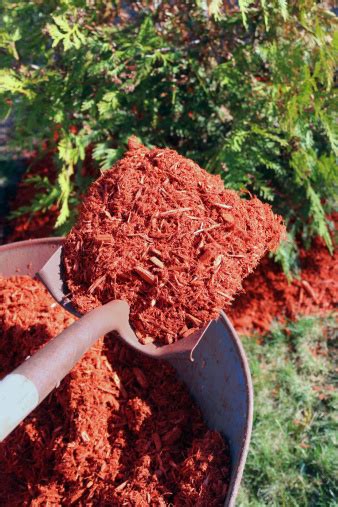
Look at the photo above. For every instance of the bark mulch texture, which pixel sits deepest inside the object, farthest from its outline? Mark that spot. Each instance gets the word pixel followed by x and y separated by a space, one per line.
pixel 163 234
pixel 120 429
pixel 267 294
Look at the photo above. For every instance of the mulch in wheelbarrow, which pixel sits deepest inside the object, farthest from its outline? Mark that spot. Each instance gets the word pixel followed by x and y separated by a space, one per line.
pixel 163 234
pixel 120 429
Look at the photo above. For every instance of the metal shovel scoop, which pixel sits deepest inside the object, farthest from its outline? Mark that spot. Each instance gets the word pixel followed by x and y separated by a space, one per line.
pixel 211 362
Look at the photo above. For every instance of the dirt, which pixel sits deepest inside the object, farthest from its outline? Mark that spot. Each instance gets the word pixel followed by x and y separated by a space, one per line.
pixel 120 429
pixel 163 234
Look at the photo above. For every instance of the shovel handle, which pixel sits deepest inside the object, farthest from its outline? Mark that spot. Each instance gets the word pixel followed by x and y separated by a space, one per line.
pixel 25 388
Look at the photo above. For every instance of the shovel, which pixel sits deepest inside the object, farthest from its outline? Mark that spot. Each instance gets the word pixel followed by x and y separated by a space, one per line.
pixel 211 362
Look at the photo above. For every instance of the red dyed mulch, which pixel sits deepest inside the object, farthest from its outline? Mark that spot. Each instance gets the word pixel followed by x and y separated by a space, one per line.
pixel 161 233
pixel 120 429
pixel 269 296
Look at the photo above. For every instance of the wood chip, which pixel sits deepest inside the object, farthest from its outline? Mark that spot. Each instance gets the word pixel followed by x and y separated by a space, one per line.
pixel 229 219
pixel 157 441
pixel 220 205
pixel 121 486
pixel 145 340
pixel 205 229
pixel 224 294
pixel 309 290
pixel 145 274
pixel 105 238
pixel 193 319
pixel 218 261
pixel 157 262
pixel 189 332
pixel 95 284
pixel 141 378
pixel 183 330
pixel 143 236
pixel 173 211
pixel 118 383
pixel 155 251
pixel 85 436
pixel 172 436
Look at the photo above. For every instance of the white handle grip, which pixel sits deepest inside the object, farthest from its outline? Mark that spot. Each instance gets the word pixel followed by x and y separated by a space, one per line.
pixel 18 397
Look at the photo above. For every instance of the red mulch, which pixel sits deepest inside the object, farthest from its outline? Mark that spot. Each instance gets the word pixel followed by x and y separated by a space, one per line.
pixel 163 234
pixel 269 296
pixel 120 429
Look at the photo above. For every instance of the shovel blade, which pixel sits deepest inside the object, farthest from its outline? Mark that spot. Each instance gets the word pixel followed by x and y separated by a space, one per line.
pixel 51 275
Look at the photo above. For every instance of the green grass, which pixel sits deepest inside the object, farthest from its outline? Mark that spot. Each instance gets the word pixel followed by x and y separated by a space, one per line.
pixel 292 458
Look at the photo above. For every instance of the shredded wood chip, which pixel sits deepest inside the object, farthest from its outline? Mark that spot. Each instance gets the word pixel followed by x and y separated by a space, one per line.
pixel 182 240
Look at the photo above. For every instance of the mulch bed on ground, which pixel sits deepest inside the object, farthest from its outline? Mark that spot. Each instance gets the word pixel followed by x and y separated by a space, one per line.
pixel 267 294
pixel 120 429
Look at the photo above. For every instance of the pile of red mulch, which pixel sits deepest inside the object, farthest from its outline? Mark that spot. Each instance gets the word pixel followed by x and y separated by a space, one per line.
pixel 120 429
pixel 163 234
pixel 268 296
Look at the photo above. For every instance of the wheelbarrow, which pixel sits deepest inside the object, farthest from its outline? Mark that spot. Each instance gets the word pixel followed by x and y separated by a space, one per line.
pixel 218 378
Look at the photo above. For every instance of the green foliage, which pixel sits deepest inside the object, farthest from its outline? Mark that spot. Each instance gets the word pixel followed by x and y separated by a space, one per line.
pixel 292 459
pixel 46 195
pixel 61 31
pixel 248 94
